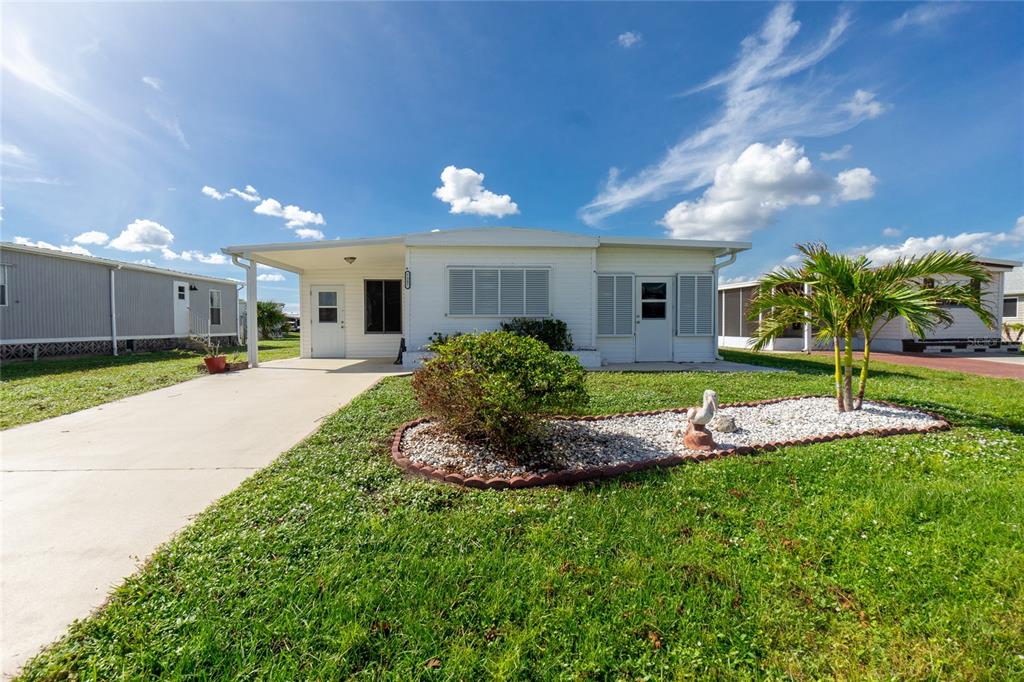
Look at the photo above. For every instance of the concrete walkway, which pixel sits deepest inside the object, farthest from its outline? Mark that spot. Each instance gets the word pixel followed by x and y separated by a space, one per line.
pixel 1002 365
pixel 717 366
pixel 89 495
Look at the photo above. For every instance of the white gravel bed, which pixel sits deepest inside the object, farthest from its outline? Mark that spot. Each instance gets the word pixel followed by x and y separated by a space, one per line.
pixel 571 444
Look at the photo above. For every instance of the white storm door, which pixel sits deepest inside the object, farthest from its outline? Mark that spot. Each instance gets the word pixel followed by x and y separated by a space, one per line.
pixel 653 319
pixel 181 309
pixel 327 305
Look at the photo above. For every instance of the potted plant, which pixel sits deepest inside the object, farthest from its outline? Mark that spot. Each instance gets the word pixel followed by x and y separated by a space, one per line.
pixel 214 361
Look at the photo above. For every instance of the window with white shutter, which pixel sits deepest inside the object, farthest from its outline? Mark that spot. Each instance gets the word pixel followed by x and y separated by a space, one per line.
pixel 499 292
pixel 694 304
pixel 615 305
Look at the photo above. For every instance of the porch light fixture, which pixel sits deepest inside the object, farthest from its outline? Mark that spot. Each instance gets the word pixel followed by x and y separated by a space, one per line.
pixel 350 259
pixel 408 280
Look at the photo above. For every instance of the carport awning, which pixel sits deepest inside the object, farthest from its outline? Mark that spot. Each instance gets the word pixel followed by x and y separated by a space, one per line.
pixel 324 255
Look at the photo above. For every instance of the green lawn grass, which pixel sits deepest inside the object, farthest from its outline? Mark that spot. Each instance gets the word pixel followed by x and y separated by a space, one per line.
pixel 30 391
pixel 897 557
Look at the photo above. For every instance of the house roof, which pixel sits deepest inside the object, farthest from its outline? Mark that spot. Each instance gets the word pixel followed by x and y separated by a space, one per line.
pixel 479 236
pixel 54 253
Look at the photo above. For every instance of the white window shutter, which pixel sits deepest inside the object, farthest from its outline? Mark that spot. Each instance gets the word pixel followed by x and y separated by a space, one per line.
pixel 460 291
pixel 687 294
pixel 537 294
pixel 624 305
pixel 512 294
pixel 704 300
pixel 606 305
pixel 486 292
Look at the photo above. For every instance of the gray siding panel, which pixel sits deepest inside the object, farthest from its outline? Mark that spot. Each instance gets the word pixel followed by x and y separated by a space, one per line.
pixel 58 298
pixel 54 298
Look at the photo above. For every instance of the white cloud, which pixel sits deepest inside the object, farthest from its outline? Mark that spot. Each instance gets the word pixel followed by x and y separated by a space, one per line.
pixel 146 261
pixel 926 15
pixel 25 241
pixel 143 235
pixel 14 156
pixel 248 194
pixel 463 190
pixel 295 216
pixel 979 243
pixel 153 82
pixel 750 192
pixel 213 193
pixel 630 39
pixel 759 103
pixel 270 277
pixel 863 105
pixel 92 237
pixel 838 155
pixel 308 233
pixel 856 184
pixel 892 232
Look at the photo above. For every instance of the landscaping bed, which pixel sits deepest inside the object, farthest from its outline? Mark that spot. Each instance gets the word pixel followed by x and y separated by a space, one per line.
pixel 575 449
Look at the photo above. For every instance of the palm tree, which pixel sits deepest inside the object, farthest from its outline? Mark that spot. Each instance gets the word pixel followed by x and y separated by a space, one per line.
pixel 847 296
pixel 905 288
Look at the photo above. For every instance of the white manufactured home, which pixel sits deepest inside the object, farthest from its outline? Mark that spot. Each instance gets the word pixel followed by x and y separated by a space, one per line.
pixel 624 299
pixel 57 303
pixel 967 331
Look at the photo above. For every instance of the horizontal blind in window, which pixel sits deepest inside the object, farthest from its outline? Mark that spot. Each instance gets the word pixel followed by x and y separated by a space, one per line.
pixel 694 304
pixel 460 291
pixel 486 292
pixel 512 292
pixel 615 305
pixel 537 296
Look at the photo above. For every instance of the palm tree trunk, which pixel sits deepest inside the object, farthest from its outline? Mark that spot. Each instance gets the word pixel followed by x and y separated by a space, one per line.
pixel 848 370
pixel 839 374
pixel 865 359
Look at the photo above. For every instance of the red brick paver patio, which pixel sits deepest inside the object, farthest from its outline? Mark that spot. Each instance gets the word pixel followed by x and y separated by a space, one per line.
pixel 1010 366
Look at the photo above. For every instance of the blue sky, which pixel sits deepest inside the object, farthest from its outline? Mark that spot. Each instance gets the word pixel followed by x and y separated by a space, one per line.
pixel 882 128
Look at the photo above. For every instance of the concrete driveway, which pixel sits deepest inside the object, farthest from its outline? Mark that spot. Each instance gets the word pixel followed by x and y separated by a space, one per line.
pixel 87 496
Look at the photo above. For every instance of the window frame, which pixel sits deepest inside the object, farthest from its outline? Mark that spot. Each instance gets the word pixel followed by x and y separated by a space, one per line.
pixel 523 269
pixel 5 291
pixel 679 332
pixel 219 307
pixel 1016 306
pixel 615 304
pixel 366 303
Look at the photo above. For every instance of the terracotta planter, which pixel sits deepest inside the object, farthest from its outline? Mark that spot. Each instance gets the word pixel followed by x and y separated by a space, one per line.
pixel 216 364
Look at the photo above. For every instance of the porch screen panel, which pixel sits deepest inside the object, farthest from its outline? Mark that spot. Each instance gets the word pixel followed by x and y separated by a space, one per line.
pixel 460 291
pixel 732 317
pixel 747 327
pixel 486 292
pixel 537 292
pixel 512 293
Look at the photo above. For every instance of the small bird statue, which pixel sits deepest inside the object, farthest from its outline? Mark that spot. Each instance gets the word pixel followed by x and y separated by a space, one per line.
pixel 697 436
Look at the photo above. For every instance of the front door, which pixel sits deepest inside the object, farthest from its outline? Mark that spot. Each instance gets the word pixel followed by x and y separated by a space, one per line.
pixel 653 323
pixel 181 309
pixel 328 321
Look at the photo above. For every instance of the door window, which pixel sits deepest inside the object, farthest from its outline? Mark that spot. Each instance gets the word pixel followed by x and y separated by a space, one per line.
pixel 653 300
pixel 327 306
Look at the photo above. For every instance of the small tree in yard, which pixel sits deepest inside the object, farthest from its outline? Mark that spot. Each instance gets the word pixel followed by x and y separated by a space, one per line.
pixel 496 386
pixel 270 318
pixel 849 296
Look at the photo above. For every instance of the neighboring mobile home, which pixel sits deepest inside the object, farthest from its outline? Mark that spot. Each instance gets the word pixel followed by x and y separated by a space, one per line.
pixel 624 299
pixel 1013 296
pixel 57 303
pixel 966 332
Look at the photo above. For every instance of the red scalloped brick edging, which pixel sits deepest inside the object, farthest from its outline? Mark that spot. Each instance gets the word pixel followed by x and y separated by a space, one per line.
pixel 571 476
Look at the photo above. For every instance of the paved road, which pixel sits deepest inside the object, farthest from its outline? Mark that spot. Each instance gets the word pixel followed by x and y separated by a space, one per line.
pixel 88 495
pixel 991 365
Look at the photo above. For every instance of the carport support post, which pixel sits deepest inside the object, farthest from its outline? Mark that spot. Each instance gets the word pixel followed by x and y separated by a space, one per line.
pixel 807 325
pixel 252 334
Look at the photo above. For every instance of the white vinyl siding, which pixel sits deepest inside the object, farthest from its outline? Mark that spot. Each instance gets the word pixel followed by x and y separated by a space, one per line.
pixel 694 304
pixel 615 305
pixel 499 292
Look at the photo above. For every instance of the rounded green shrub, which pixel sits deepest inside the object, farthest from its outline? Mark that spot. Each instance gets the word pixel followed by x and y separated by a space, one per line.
pixel 496 386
